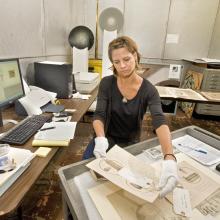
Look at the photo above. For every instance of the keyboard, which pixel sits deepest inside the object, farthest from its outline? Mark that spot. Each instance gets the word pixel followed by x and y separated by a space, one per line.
pixel 23 131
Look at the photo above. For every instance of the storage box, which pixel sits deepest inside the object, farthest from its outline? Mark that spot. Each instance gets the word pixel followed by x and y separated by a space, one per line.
pixel 73 202
pixel 86 82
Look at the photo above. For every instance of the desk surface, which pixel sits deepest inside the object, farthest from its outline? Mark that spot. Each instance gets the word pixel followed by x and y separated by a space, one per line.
pixel 12 198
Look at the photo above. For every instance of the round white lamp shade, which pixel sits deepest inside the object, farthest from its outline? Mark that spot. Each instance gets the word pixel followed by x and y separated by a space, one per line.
pixel 111 19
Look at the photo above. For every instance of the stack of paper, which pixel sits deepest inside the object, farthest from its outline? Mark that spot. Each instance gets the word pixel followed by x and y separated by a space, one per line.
pixel 213 96
pixel 55 134
pixel 179 93
pixel 42 151
pixel 22 160
pixel 198 150
pixel 129 173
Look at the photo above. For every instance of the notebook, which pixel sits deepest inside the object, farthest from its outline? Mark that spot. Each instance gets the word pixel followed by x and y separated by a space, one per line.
pixel 55 134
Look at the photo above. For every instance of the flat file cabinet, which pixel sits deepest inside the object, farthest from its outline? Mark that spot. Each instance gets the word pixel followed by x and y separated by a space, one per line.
pixel 211 83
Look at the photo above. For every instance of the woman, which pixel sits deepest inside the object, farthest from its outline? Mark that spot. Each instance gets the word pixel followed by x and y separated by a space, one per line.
pixel 121 104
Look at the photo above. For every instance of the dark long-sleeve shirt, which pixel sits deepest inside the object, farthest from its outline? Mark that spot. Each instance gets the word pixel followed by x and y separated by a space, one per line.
pixel 122 120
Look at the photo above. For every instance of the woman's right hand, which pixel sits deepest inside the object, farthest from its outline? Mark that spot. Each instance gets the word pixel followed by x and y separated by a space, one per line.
pixel 101 145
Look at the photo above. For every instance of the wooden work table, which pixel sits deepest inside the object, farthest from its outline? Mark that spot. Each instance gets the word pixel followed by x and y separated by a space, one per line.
pixel 11 200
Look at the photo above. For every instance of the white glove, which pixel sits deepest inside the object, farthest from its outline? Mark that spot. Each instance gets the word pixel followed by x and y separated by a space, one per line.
pixel 169 177
pixel 101 145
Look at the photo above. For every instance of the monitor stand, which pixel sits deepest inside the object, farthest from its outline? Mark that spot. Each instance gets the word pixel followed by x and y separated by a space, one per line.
pixel 4 122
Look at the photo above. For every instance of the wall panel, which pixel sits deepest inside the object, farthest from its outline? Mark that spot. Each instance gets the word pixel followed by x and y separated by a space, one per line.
pixel 57 26
pixel 35 28
pixel 214 51
pixel 21 28
pixel 192 22
pixel 104 4
pixel 84 13
pixel 146 23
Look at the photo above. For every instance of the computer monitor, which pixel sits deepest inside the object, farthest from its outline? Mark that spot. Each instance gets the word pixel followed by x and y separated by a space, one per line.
pixel 55 77
pixel 11 85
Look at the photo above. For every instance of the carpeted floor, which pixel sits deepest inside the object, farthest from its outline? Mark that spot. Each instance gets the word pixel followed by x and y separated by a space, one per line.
pixel 44 201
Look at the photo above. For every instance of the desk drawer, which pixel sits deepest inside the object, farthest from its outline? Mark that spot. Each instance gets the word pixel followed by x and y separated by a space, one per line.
pixel 211 81
pixel 214 87
pixel 208 109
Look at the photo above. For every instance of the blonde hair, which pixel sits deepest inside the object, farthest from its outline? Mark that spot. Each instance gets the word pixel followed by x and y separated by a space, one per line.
pixel 123 42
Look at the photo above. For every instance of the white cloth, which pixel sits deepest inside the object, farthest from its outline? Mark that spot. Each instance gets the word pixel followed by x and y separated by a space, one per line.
pixel 169 177
pixel 101 145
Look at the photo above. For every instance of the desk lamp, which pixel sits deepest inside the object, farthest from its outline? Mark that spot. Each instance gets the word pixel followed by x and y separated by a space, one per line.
pixel 110 21
pixel 81 39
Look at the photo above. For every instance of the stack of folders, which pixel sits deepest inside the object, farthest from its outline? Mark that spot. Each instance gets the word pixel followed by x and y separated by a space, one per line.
pixel 22 159
pixel 55 134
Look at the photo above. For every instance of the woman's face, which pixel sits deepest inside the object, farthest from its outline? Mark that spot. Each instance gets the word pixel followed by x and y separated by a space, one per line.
pixel 124 62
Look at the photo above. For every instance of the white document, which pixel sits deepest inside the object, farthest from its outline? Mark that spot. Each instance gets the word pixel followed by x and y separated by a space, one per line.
pixel 52 62
pixel 112 202
pixel 61 131
pixel 198 150
pixel 199 184
pixel 156 153
pixel 211 95
pixel 181 202
pixel 134 178
pixel 42 92
pixel 172 38
pixel 174 71
pixel 38 97
pixel 78 95
pixel 211 205
pixel 179 93
pixel 21 157
pixel 35 99
pixel 127 172
pixel 85 208
pixel 26 87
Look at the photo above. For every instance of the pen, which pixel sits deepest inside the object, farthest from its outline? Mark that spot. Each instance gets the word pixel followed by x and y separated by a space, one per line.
pixel 48 128
pixel 191 148
pixel 201 151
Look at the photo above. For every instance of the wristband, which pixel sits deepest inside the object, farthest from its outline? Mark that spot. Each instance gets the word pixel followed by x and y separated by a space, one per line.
pixel 165 155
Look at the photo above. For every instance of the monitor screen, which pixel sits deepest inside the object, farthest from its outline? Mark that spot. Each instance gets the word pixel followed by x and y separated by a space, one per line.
pixel 11 86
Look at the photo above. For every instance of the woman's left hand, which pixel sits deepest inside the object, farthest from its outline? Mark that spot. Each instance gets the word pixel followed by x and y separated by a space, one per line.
pixel 169 177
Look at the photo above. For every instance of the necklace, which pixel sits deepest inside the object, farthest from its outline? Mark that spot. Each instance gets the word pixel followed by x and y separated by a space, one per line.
pixel 124 100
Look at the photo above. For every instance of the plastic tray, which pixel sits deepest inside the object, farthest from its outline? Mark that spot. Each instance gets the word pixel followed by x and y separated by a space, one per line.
pixel 73 208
